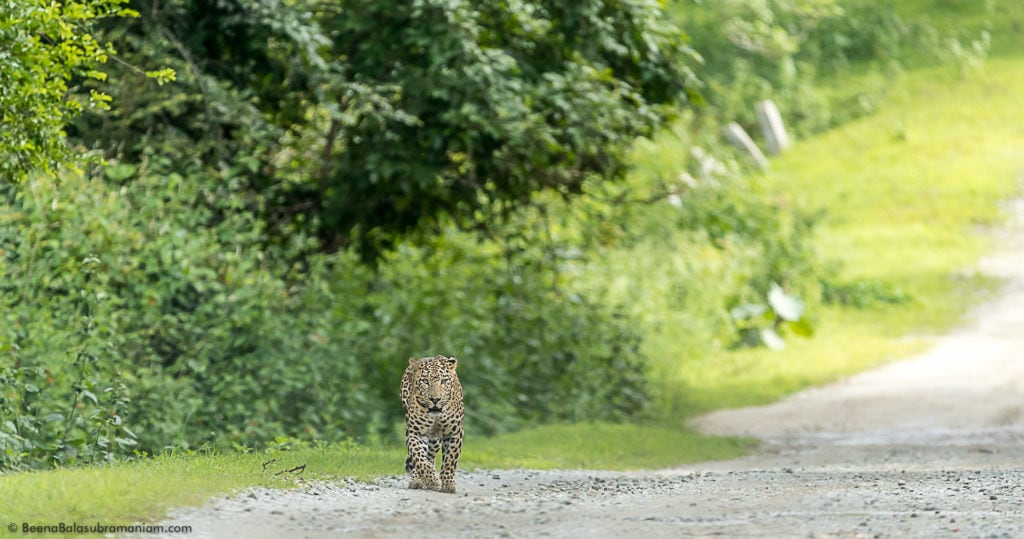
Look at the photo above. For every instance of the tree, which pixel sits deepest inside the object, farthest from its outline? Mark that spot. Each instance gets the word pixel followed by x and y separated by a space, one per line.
pixel 362 121
pixel 44 47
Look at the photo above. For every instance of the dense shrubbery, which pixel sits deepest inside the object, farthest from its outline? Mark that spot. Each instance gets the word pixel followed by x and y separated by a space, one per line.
pixel 362 122
pixel 202 290
pixel 135 322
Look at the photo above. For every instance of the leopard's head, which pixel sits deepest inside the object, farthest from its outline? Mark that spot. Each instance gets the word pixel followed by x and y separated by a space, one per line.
pixel 434 382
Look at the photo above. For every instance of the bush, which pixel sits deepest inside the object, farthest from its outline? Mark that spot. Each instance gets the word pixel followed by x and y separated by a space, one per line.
pixel 142 313
pixel 63 393
pixel 529 351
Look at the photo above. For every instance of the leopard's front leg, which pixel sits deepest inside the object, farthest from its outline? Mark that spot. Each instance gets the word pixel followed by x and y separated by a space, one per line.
pixel 451 448
pixel 419 463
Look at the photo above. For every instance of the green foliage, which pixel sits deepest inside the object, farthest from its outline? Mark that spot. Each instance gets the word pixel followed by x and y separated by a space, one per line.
pixel 765 323
pixel 789 51
pixel 531 352
pixel 47 48
pixel 710 250
pixel 280 130
pixel 776 49
pixel 902 219
pixel 362 121
pixel 863 293
pixel 506 99
pixel 183 301
pixel 185 274
pixel 63 394
pixel 221 342
pixel 769 49
pixel 79 424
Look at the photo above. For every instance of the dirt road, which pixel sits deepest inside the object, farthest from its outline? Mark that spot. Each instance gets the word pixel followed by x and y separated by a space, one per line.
pixel 928 447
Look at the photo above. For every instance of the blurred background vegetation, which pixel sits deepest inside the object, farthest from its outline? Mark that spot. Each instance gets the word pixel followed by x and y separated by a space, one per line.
pixel 232 222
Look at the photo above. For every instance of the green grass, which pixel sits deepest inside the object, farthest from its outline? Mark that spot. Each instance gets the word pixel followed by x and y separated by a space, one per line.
pixel 144 491
pixel 599 446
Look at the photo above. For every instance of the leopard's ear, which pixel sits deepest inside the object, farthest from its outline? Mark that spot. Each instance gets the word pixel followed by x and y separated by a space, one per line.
pixel 413 362
pixel 452 362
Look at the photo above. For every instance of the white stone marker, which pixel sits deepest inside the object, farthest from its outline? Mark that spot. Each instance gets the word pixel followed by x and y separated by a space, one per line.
pixel 772 128
pixel 739 138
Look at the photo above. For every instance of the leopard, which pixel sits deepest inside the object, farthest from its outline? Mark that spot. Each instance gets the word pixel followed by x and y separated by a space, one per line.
pixel 434 412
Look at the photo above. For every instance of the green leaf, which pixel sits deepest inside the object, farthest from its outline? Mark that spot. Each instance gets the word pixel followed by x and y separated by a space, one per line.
pixel 772 339
pixel 90 395
pixel 801 327
pixel 119 172
pixel 163 76
pixel 788 307
pixel 123 442
pixel 748 311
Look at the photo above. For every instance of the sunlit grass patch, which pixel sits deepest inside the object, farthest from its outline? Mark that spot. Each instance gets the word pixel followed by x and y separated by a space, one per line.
pixel 144 490
pixel 599 446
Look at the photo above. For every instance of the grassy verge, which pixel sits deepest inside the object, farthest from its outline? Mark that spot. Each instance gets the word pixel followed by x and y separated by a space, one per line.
pixel 600 446
pixel 144 491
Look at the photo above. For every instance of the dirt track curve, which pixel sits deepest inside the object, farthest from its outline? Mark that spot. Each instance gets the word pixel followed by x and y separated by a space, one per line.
pixel 928 447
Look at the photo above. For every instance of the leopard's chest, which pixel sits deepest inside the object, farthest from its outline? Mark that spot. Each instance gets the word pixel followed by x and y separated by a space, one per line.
pixel 430 425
